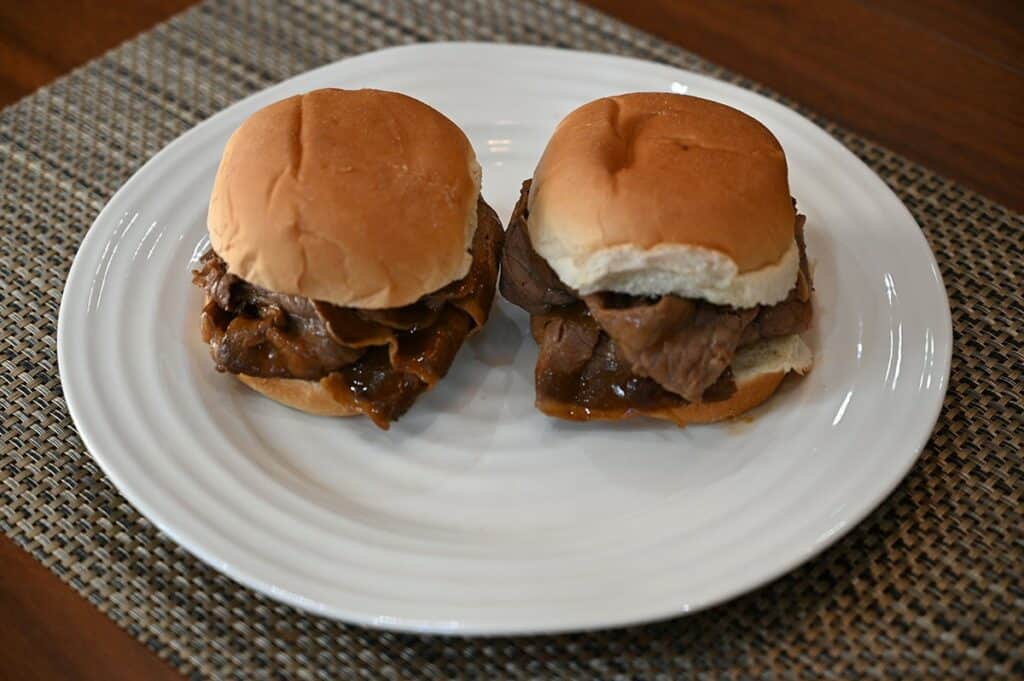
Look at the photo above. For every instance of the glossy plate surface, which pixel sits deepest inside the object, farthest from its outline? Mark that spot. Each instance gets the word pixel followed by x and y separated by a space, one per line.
pixel 476 514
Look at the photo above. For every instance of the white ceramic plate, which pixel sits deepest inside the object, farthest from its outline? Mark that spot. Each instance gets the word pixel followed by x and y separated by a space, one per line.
pixel 476 514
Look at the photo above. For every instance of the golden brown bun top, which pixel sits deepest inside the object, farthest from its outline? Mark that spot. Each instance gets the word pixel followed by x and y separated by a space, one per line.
pixel 660 185
pixel 360 198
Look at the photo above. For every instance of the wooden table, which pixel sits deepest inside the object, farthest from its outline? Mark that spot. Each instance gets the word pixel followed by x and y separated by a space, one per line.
pixel 940 81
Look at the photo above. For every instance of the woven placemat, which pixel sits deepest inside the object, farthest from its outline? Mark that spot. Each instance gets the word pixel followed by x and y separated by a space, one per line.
pixel 930 585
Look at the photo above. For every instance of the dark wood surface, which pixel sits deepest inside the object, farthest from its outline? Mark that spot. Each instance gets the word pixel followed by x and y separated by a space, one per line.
pixel 47 631
pixel 941 81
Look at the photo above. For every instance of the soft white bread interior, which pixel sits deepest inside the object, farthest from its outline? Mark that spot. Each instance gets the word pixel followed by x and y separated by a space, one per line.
pixel 783 354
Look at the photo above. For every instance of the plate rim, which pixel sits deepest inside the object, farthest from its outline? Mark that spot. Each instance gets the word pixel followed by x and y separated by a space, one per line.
pixel 243 576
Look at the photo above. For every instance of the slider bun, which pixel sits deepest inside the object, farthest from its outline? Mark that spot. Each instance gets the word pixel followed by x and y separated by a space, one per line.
pixel 758 371
pixel 361 198
pixel 657 193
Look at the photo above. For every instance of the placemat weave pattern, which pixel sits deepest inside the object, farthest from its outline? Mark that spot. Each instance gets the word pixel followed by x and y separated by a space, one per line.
pixel 930 586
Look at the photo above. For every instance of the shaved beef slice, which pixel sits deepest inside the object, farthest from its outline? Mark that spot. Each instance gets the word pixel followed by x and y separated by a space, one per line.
pixel 662 351
pixel 376 360
pixel 684 346
pixel 526 278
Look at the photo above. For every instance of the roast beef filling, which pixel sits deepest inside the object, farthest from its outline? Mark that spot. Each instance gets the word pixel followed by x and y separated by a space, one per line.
pixel 378 361
pixel 607 355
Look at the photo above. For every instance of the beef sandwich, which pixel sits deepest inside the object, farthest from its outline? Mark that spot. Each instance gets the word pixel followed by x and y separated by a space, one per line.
pixel 661 258
pixel 351 253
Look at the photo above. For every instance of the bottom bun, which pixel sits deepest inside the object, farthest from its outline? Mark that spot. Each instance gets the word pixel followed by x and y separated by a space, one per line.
pixel 757 370
pixel 747 396
pixel 308 396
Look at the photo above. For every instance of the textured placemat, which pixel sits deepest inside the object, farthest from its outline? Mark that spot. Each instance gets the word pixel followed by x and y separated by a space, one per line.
pixel 930 585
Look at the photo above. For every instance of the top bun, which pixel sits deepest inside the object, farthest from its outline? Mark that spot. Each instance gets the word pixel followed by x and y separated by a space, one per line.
pixel 360 198
pixel 655 193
